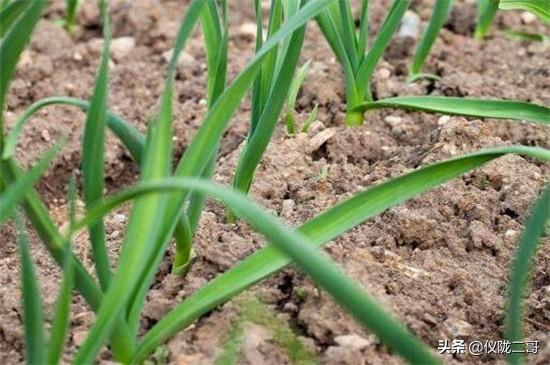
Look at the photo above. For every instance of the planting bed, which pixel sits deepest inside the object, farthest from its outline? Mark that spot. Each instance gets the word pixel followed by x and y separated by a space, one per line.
pixel 439 262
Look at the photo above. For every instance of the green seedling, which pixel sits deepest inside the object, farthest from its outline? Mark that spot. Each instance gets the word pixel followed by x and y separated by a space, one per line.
pixel 270 89
pixel 291 122
pixel 350 45
pixel 161 192
pixel 214 24
pixel 441 11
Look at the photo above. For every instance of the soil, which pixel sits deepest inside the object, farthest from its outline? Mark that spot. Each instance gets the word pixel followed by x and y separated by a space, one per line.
pixel 439 262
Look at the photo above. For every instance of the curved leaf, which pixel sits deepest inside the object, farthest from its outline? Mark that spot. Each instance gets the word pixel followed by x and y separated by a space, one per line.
pixel 319 230
pixel 200 151
pixel 14 193
pixel 132 139
pixel 522 266
pixel 11 47
pixel 500 109
pixel 316 264
pixel 540 8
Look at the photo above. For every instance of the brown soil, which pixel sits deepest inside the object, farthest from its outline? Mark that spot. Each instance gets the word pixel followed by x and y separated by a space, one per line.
pixel 438 262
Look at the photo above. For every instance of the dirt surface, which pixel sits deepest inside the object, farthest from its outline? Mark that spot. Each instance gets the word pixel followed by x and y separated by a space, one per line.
pixel 439 262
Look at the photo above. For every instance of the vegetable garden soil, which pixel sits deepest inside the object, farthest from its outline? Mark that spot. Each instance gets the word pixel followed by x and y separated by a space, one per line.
pixel 439 262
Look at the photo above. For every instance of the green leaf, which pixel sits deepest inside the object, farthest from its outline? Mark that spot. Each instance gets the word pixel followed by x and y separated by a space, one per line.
pixel 440 13
pixel 321 268
pixel 526 36
pixel 499 109
pixel 297 82
pixel 139 239
pixel 362 42
pixel 61 320
pixel 15 193
pixel 486 11
pixel 259 140
pixel 319 230
pixel 33 318
pixel 540 8
pixel 93 154
pixel 200 151
pixel 521 268
pixel 121 342
pixel 11 47
pixel 132 139
pixel 383 38
pixel 10 13
pixel 71 9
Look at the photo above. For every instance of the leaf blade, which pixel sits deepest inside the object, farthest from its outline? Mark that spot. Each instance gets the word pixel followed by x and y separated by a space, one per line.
pixel 521 267
pixel 33 318
pixel 93 154
pixel 499 109
pixel 441 11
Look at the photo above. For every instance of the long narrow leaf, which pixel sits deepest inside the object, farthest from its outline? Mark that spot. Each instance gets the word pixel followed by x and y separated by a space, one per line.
pixel 540 8
pixel 15 192
pixel 380 44
pixel 257 144
pixel 10 49
pixel 60 324
pixel 33 318
pixel 321 268
pixel 138 242
pixel 441 11
pixel 93 154
pixel 319 230
pixel 132 139
pixel 500 109
pixel 200 151
pixel 10 13
pixel 486 11
pixel 522 266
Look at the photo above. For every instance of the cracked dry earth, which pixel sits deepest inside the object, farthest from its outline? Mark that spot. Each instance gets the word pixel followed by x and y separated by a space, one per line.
pixel 439 262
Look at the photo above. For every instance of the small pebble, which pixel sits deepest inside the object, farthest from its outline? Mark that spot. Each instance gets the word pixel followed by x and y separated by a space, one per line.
pixel 527 17
pixel 319 139
pixel 121 47
pixel 384 73
pixel 511 234
pixel 316 127
pixel 185 59
pixel 77 56
pixel 45 135
pixel 352 341
pixel 120 218
pixel 457 328
pixel 410 25
pixel 393 120
pixel 247 29
pixel 444 119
